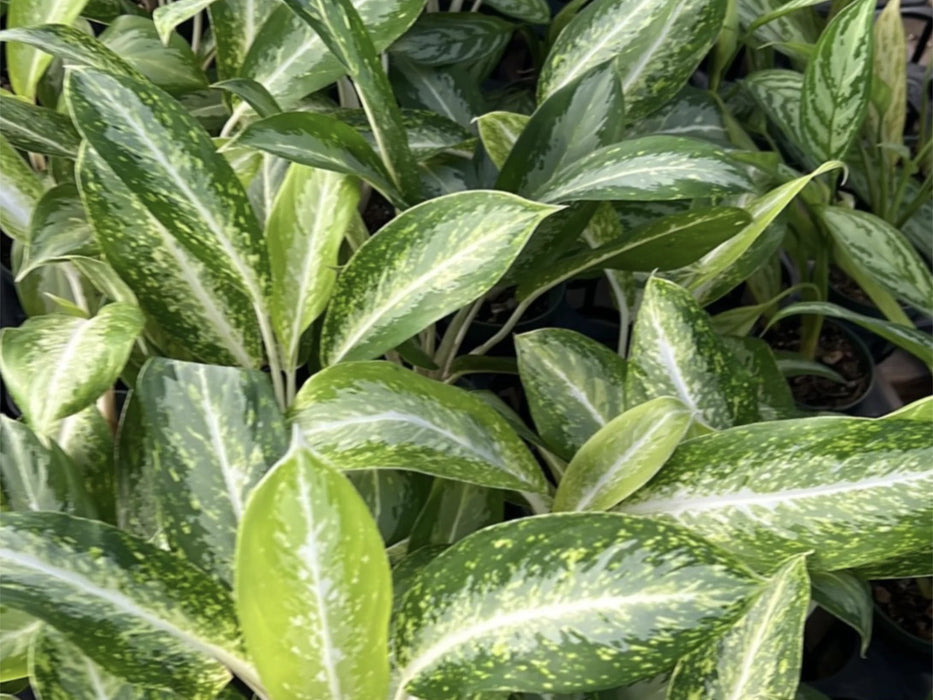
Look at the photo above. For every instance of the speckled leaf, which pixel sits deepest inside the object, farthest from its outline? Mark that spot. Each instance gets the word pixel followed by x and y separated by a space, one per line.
pixel 564 602
pixel 916 563
pixel 692 113
pixel 213 433
pixel 785 33
pixel 623 455
pixel 675 352
pixel 921 410
pixel 236 25
pixel 168 161
pixel 851 490
pixel 760 656
pixel 137 502
pixel 453 511
pixel 647 169
pixel 25 64
pixel 141 613
pixel 532 11
pixel 167 17
pixel 889 68
pixel 448 91
pixel 574 385
pixel 775 400
pixel 499 131
pixel 37 129
pixel 847 597
pixel 837 82
pixel 658 45
pixel 17 630
pixel 59 229
pixel 306 225
pixel 320 141
pixel 441 38
pixel 429 134
pixel 883 252
pixel 913 340
pixel 87 438
pixel 319 628
pixel 414 423
pixel 254 93
pixel 20 191
pixel 777 92
pixel 55 365
pixel 36 476
pixel 186 296
pixel 571 123
pixel 394 497
pixel 427 262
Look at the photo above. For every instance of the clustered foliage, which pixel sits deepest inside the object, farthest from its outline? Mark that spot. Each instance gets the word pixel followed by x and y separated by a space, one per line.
pixel 255 456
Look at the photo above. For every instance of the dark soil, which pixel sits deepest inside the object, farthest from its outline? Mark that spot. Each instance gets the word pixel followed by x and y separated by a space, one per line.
pixel 847 287
pixel 378 212
pixel 835 351
pixel 904 602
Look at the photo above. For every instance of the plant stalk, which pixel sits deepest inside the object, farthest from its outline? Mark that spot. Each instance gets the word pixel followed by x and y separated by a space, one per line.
pixel 507 326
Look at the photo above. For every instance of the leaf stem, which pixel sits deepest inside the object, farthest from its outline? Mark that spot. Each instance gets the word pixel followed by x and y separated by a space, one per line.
pixel 272 353
pixel 454 335
pixel 508 326
pixel 196 30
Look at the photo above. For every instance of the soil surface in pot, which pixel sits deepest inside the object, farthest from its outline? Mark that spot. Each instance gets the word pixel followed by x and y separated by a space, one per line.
pixel 835 351
pixel 847 287
pixel 904 602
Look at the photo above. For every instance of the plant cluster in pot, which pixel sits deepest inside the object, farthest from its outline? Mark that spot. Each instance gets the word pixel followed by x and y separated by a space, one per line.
pixel 297 499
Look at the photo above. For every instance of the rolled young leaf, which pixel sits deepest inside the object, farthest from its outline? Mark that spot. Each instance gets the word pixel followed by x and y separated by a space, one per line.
pixel 319 627
pixel 254 93
pixel 563 603
pixel 847 597
pixel 767 491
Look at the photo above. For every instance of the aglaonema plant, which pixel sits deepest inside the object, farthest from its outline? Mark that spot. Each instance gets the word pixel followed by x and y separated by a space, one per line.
pixel 298 497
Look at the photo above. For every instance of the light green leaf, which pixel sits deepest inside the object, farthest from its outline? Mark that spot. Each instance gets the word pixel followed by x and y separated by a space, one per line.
pixel 305 228
pixel 561 603
pixel 740 320
pixel 499 131
pixel 55 365
pixel 921 410
pixel 212 434
pixel 236 24
pixel 775 400
pixel 25 65
pixel 889 68
pixel 37 129
pixel 914 341
pixel 574 385
pixel 59 229
pixel 254 93
pixel 786 33
pixel 427 262
pixel 415 423
pixel 87 438
pixel 675 352
pixel 318 629
pixel 20 191
pixel 826 484
pixel 847 597
pixel 531 11
pixel 143 614
pixel 658 47
pixel 911 565
pixel 442 38
pixel 760 656
pixel 623 455
pixel 167 17
pixel 454 510
pixel 17 630
pixel 395 498
pixel 882 252
pixel 837 81
pixel 647 169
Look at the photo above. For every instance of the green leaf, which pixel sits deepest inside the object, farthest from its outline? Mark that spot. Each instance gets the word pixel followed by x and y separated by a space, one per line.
pixel 531 11
pixel 572 123
pixel 87 438
pixel 137 501
pixel 827 484
pixel 563 603
pixel 37 129
pixel 574 385
pixel 454 510
pixel 416 423
pixel 914 341
pixel 395 498
pixel 760 656
pixel 881 251
pixel 889 68
pixel 167 17
pixel 449 91
pixel 623 455
pixel 189 298
pixel 306 225
pixel 647 169
pixel 499 131
pixel 59 229
pixel 777 92
pixel 320 141
pixel 442 38
pixel 786 33
pixel 920 410
pixel 837 81
pixel 25 65
pixel 55 365
pixel 692 113
pixel 847 597
pixel 17 630
pixel 424 264
pixel 910 565
pixel 21 190
pixel 212 432
pixel 675 352
pixel 658 47
pixel 429 134
pixel 254 93
pixel 236 25
pixel 172 66
pixel 319 627
pixel 142 613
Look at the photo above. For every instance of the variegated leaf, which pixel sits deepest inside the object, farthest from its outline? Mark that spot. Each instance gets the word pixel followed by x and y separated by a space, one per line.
pixel 454 510
pixel 55 365
pixel 137 501
pixel 921 409
pixel 429 134
pixel 911 565
pixel 574 385
pixel 448 91
pixel 414 423
pixel 836 84
pixel 87 438
pixel 499 131
pixel 775 400
pixel 254 93
pixel 394 497
pixel 59 229
pixel 847 597
pixel 889 68
pixel 675 352
pixel 167 17
pixel 442 38
pixel 623 455
pixel 212 434
pixel 532 11
pixel 17 630
pixel 318 628
pixel 851 490
pixel 787 33
pixel 760 656
pixel 640 35
pixel 647 169
pixel 236 25
pixel 561 603
pixel 692 112
pixel 143 614
pixel 37 129
pixel 20 191
pixel 427 262
pixel 778 93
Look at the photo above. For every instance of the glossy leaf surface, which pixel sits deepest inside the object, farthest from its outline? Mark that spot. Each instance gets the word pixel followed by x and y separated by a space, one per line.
pixel 59 229
pixel 499 131
pixel 167 17
pixel 17 630
pixel 21 190
pixel 37 129
pixel 441 38
pixel 848 598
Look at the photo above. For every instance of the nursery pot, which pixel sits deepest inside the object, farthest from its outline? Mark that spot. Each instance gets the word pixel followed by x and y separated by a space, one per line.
pixel 895 632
